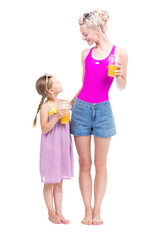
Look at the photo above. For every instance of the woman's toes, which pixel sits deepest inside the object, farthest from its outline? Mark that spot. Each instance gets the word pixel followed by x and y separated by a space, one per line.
pixel 96 217
pixel 97 221
pixel 87 220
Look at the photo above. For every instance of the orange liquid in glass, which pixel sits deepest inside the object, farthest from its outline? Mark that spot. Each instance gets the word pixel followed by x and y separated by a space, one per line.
pixel 65 119
pixel 111 69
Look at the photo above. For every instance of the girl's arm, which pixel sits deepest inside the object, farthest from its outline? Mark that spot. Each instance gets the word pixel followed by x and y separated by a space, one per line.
pixel 45 125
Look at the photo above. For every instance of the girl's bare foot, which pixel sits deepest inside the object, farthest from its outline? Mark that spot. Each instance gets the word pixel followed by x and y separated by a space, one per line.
pixel 54 219
pixel 96 218
pixel 63 220
pixel 87 220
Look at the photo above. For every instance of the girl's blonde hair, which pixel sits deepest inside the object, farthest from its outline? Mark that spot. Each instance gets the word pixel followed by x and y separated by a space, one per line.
pixel 94 19
pixel 42 85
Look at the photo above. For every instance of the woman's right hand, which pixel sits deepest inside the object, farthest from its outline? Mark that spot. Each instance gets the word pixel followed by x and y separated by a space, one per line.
pixel 72 103
pixel 62 113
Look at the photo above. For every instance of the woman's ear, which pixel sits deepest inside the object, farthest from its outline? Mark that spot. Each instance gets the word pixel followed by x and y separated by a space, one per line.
pixel 98 30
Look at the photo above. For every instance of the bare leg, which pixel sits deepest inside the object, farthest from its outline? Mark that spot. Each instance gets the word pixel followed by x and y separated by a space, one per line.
pixel 83 144
pixel 100 183
pixel 57 194
pixel 48 197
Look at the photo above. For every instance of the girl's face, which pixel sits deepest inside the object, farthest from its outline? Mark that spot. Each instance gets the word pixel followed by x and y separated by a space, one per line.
pixel 56 86
pixel 89 35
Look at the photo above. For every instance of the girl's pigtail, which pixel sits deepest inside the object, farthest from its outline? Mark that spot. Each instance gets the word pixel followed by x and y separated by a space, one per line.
pixel 35 119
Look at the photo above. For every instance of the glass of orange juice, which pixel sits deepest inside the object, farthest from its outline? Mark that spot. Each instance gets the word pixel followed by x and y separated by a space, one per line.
pixel 66 105
pixel 112 61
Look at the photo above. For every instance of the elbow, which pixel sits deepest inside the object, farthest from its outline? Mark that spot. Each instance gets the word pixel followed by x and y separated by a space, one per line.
pixel 125 84
pixel 121 83
pixel 44 130
pixel 122 87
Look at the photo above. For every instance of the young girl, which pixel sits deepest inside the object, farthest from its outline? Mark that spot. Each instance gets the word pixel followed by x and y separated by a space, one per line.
pixel 56 152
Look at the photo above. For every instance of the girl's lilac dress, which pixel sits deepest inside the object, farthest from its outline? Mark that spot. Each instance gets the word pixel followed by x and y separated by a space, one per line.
pixel 56 152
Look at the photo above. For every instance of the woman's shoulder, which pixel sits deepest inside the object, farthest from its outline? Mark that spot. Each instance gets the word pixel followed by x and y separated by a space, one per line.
pixel 84 53
pixel 121 51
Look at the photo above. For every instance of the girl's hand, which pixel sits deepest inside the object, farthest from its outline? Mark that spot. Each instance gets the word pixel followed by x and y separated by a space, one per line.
pixel 118 72
pixel 62 112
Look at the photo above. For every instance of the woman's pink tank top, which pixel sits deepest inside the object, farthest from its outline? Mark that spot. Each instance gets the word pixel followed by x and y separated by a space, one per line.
pixel 96 83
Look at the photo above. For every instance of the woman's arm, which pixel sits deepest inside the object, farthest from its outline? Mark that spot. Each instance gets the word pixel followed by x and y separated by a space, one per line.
pixel 72 102
pixel 122 72
pixel 83 57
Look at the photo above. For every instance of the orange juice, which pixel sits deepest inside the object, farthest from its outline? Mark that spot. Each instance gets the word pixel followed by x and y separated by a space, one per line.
pixel 65 119
pixel 111 69
pixel 67 106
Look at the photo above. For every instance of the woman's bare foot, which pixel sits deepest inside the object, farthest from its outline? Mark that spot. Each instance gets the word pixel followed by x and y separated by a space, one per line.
pixel 54 219
pixel 96 218
pixel 87 220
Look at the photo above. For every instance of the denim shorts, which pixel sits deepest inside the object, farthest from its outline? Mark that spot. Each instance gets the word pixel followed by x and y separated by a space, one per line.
pixel 92 118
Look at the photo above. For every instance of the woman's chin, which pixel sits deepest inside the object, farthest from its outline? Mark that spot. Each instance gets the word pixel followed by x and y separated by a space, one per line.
pixel 90 43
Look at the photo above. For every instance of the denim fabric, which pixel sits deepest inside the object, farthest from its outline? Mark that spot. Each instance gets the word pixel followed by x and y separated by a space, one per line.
pixel 92 118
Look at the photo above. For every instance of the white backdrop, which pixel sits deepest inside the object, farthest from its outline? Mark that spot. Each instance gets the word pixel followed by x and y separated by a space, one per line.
pixel 43 36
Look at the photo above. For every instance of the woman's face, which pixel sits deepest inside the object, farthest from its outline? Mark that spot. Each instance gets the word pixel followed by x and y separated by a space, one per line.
pixel 89 35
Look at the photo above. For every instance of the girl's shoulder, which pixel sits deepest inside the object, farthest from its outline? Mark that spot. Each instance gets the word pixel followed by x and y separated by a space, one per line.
pixel 44 106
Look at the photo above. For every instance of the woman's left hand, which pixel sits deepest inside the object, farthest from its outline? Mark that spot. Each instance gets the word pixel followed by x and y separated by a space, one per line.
pixel 119 72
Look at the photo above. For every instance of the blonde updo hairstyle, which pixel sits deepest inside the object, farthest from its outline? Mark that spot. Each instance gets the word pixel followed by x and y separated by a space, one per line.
pixel 94 19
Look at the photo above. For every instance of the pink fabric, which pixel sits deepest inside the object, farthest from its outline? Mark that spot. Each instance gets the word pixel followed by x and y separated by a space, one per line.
pixel 56 153
pixel 96 81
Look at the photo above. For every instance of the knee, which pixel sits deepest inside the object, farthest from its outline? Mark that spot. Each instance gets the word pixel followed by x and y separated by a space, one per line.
pixel 58 186
pixel 48 186
pixel 100 166
pixel 85 165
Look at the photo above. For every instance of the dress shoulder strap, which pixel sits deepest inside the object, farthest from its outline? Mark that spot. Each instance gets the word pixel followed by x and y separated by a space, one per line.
pixel 52 108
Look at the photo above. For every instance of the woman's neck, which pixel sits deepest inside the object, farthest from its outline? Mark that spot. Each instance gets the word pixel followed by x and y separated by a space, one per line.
pixel 103 43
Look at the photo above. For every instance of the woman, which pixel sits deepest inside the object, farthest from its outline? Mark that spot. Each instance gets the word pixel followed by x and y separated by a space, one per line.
pixel 92 111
